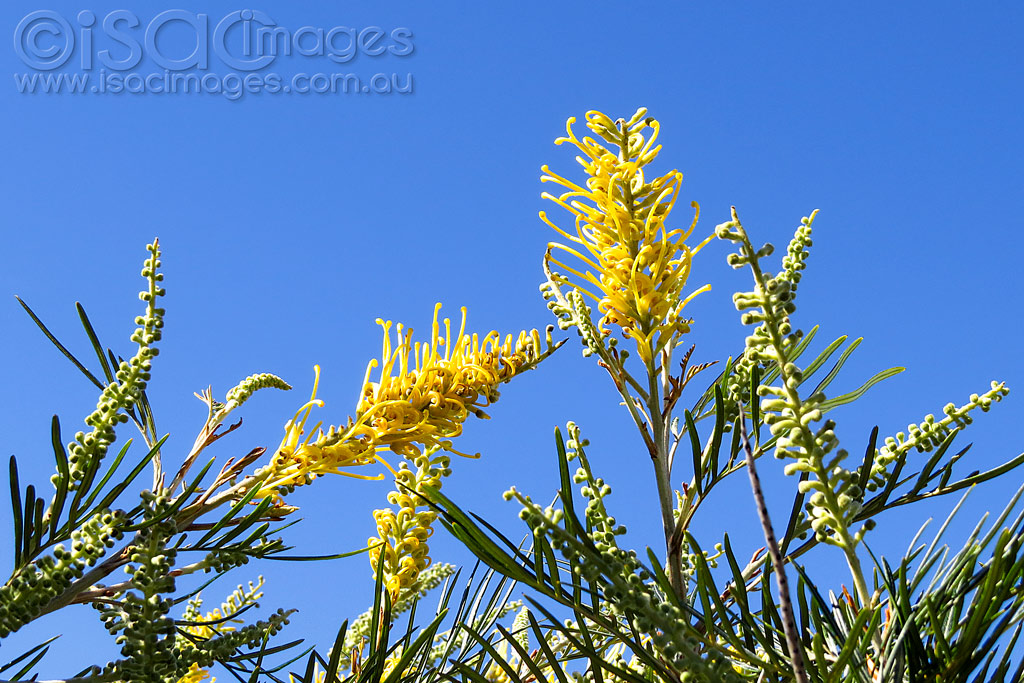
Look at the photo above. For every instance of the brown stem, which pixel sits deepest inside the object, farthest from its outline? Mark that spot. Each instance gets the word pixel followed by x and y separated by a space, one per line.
pixel 796 655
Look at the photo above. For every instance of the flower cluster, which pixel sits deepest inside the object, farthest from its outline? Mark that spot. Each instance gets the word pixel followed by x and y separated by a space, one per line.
pixel 424 394
pixel 118 397
pixel 402 535
pixel 639 266
pixel 931 433
pixel 299 460
pixel 427 390
pixel 27 593
pixel 220 620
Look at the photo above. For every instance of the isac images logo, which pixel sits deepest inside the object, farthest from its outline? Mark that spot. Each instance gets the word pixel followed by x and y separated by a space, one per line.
pixel 178 52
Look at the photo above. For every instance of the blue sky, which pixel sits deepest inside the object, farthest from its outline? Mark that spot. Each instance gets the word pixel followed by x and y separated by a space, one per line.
pixel 290 222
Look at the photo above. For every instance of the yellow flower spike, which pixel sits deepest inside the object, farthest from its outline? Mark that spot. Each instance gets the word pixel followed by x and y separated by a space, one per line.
pixel 402 536
pixel 422 404
pixel 300 457
pixel 638 264
pixel 426 402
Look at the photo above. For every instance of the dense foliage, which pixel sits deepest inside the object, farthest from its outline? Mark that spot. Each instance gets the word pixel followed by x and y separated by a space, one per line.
pixel 597 609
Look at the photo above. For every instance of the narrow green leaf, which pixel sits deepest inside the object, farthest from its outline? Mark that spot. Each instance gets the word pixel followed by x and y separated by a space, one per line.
pixel 60 347
pixel 235 509
pixel 316 558
pixel 149 420
pixel 546 649
pixel 85 487
pixel 423 639
pixel 552 562
pixel 62 480
pixel 839 364
pixel 822 357
pixel 661 578
pixel 799 349
pixel 716 435
pixel 755 405
pixel 538 559
pixel 734 447
pixel 795 515
pixel 869 461
pixel 710 591
pixel 698 466
pixel 24 671
pixel 739 588
pixel 822 607
pixel 851 645
pixel 803 626
pixel 38 527
pixel 893 482
pixel 524 654
pixel 466 530
pixel 566 492
pixel 831 403
pixel 25 655
pixel 596 658
pixel 926 472
pixel 94 340
pixel 379 595
pixel 182 498
pixel 966 482
pixel 16 507
pixel 310 674
pixel 28 531
pixel 117 490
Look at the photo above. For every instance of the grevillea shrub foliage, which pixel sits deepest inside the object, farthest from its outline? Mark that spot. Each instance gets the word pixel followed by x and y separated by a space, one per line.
pixel 122 526
pixel 690 610
pixel 159 517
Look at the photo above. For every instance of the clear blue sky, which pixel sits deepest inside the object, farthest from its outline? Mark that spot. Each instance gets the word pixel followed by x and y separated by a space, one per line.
pixel 290 222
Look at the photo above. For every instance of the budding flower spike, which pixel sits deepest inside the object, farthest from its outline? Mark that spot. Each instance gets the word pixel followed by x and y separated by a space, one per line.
pixel 634 267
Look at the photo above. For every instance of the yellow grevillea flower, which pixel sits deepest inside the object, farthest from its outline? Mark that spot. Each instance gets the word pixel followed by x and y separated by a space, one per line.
pixel 424 394
pixel 195 675
pixel 634 267
pixel 299 460
pixel 402 535
pixel 427 390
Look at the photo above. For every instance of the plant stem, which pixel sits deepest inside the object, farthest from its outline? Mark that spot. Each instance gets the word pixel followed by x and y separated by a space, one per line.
pixel 803 434
pixel 663 476
pixel 796 654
